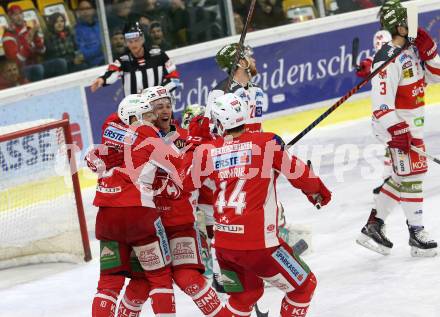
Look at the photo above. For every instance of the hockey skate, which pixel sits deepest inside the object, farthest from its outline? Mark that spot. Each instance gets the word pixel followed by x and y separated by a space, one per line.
pixel 421 244
pixel 373 236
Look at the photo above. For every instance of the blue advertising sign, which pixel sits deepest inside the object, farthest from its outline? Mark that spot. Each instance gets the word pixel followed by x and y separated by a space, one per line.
pixel 293 73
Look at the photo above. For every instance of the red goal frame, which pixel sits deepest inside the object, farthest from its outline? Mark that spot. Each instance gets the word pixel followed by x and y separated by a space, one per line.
pixel 65 125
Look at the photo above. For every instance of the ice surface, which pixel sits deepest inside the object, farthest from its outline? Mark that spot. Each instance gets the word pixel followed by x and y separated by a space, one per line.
pixel 352 281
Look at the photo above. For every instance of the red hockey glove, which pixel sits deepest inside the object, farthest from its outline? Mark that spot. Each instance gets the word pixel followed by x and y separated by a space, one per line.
pixel 99 163
pixel 364 68
pixel 425 45
pixel 198 131
pixel 320 198
pixel 400 137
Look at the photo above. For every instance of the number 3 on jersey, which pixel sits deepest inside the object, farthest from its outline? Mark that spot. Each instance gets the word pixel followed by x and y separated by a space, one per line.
pixel 236 200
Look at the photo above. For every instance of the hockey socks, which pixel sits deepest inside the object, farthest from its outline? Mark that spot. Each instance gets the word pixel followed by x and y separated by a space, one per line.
pixel 296 303
pixel 104 302
pixel 136 294
pixel 194 284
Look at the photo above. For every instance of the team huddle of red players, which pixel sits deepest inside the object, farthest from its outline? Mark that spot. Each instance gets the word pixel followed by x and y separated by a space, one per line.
pixel 150 172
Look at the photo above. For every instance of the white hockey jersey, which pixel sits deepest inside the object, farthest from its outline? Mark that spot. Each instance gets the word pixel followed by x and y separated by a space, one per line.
pixel 255 98
pixel 398 92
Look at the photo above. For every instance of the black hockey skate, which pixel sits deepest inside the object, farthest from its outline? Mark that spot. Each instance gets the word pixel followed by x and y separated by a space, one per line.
pixel 373 235
pixel 421 244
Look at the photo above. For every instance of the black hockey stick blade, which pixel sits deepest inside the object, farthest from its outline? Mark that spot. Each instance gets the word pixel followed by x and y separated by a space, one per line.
pixel 259 313
pixel 216 284
pixel 355 53
pixel 300 246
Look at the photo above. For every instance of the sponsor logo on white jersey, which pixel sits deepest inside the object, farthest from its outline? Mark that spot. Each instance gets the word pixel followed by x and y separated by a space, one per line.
pixel 230 228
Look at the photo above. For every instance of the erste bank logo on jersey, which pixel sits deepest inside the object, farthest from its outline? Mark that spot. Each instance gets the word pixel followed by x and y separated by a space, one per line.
pixel 119 135
pixel 233 159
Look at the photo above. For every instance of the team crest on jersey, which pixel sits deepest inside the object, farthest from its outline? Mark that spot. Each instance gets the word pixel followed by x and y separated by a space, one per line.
pixel 119 135
pixel 383 74
pixel 233 159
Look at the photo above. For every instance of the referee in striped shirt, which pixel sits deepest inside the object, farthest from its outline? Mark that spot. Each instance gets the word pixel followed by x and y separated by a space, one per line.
pixel 140 67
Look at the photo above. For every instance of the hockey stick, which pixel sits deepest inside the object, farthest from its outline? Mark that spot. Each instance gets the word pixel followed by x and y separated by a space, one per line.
pixel 355 53
pixel 240 45
pixel 347 95
pixel 423 153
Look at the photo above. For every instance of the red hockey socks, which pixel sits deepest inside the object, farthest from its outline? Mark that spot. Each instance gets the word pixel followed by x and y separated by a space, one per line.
pixel 136 294
pixel 161 293
pixel 242 304
pixel 104 302
pixel 194 284
pixel 296 303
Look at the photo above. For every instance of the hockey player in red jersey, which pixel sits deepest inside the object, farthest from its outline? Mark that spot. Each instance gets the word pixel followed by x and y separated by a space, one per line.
pixel 398 119
pixel 245 167
pixel 256 100
pixel 177 210
pixel 128 224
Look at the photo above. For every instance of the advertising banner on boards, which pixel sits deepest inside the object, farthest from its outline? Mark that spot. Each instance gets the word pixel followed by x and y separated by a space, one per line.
pixel 294 73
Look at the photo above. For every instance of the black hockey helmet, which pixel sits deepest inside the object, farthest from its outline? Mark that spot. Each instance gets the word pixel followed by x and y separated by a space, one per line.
pixel 133 31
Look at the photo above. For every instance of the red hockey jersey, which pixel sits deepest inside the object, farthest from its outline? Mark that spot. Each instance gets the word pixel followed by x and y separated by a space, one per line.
pixel 144 153
pixel 245 170
pixel 177 206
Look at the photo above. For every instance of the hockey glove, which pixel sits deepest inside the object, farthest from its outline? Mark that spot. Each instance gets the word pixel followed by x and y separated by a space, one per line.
pixel 198 131
pixel 400 137
pixel 425 45
pixel 364 68
pixel 99 163
pixel 320 198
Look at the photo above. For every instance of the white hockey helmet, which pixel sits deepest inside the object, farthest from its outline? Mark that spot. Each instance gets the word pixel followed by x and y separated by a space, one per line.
pixel 151 94
pixel 380 38
pixel 228 111
pixel 133 105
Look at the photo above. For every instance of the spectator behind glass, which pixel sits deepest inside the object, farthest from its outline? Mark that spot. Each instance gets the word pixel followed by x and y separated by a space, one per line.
pixel 10 75
pixel 180 17
pixel 121 14
pixel 61 43
pixel 151 10
pixel 157 38
pixel 118 43
pixel 26 46
pixel 268 13
pixel 353 5
pixel 88 34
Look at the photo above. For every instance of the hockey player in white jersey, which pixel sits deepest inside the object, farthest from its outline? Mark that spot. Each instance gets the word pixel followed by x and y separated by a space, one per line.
pixel 241 85
pixel 398 119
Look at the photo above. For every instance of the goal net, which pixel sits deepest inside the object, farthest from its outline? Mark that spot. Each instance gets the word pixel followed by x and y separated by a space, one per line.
pixel 41 212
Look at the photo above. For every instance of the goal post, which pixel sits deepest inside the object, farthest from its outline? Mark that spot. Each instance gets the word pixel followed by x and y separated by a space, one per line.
pixel 41 210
